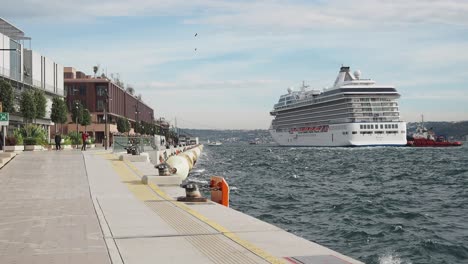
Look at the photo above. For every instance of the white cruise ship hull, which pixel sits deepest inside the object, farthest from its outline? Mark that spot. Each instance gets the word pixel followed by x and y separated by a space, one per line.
pixel 345 135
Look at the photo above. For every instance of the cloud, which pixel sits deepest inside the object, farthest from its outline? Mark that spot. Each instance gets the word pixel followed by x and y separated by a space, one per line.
pixel 257 14
pixel 281 15
pixel 190 83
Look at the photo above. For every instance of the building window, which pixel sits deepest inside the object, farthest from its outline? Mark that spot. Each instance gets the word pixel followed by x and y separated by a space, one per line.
pixel 82 90
pixel 100 105
pixel 354 132
pixel 72 90
pixel 101 90
pixel 381 126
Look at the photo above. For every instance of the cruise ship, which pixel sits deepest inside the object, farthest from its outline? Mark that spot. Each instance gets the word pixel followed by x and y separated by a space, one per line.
pixel 354 112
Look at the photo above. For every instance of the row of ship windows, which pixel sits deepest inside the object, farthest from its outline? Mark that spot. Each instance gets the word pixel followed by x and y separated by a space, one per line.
pixel 308 119
pixel 376 126
pixel 371 100
pixel 373 132
pixel 326 99
pixel 332 100
pixel 343 108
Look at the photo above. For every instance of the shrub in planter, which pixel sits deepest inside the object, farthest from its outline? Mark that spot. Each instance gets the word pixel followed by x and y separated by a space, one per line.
pixel 30 141
pixel 75 138
pixel 11 141
pixel 19 137
pixel 34 131
pixel 67 140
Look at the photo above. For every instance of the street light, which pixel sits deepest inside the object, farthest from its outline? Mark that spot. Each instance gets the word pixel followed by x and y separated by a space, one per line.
pixel 106 132
pixel 76 120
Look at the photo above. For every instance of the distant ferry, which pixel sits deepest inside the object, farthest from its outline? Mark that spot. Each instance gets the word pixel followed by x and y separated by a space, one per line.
pixel 354 112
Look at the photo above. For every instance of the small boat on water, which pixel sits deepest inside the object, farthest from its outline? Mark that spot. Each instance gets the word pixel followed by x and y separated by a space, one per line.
pixel 254 142
pixel 215 143
pixel 424 137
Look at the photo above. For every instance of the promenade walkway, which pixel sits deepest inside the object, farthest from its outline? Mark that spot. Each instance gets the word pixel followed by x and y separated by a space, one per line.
pixel 46 212
pixel 91 207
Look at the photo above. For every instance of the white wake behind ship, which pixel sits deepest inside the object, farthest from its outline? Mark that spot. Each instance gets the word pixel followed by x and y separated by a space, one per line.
pixel 354 112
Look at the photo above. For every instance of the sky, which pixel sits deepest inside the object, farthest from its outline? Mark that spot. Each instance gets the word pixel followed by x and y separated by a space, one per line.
pixel 249 52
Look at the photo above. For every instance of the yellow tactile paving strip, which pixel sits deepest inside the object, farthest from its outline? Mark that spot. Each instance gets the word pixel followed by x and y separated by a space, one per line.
pixel 140 190
pixel 213 246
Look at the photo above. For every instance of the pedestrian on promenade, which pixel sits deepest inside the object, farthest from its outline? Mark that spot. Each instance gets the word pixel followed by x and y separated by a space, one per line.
pixel 84 137
pixel 58 141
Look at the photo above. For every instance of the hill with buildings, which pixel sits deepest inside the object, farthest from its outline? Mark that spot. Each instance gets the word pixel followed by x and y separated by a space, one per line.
pixel 261 136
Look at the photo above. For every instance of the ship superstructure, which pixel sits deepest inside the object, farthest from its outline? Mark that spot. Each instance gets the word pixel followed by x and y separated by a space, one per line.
pixel 354 112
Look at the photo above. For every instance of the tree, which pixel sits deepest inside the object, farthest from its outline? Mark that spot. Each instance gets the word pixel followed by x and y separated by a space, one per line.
pixel 86 118
pixel 6 96
pixel 64 113
pixel 28 106
pixel 137 128
pixel 55 114
pixel 58 112
pixel 40 102
pixel 123 126
pixel 77 112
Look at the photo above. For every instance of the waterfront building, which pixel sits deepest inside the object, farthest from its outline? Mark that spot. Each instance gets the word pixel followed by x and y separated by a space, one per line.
pixel 103 97
pixel 26 69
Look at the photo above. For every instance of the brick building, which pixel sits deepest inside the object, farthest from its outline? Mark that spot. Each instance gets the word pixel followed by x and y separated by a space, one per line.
pixel 99 94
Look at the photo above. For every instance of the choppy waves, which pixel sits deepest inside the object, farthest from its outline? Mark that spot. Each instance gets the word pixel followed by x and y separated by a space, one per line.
pixel 379 205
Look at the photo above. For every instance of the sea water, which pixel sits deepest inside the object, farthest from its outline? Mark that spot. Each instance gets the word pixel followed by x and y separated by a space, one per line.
pixel 385 205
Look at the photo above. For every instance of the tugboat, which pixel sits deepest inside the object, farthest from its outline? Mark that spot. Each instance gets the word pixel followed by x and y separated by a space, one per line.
pixel 424 137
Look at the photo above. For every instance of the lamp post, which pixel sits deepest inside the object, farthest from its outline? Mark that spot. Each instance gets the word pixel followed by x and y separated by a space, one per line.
pixel 137 113
pixel 106 132
pixel 76 121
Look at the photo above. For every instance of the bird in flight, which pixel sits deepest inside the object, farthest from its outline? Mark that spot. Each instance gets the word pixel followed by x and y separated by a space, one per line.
pixel 195 49
pixel 196 34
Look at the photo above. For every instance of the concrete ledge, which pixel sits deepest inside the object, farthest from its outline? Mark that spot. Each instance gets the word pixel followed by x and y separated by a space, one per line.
pixel 161 180
pixel 14 148
pixel 7 155
pixel 134 158
pixel 5 158
pixel 33 148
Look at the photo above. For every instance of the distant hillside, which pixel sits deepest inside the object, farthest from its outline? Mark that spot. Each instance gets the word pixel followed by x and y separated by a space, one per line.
pixel 455 130
pixel 231 136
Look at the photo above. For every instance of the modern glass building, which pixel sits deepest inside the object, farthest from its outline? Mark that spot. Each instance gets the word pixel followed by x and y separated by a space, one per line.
pixel 26 69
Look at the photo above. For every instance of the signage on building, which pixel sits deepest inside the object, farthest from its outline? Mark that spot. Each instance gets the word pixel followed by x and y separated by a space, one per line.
pixel 4 119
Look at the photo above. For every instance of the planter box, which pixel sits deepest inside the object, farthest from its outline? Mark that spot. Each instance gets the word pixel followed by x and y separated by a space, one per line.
pixel 67 147
pixel 91 145
pixel 32 147
pixel 14 148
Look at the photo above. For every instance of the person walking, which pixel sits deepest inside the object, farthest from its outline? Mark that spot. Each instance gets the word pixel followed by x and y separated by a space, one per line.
pixel 84 137
pixel 58 141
